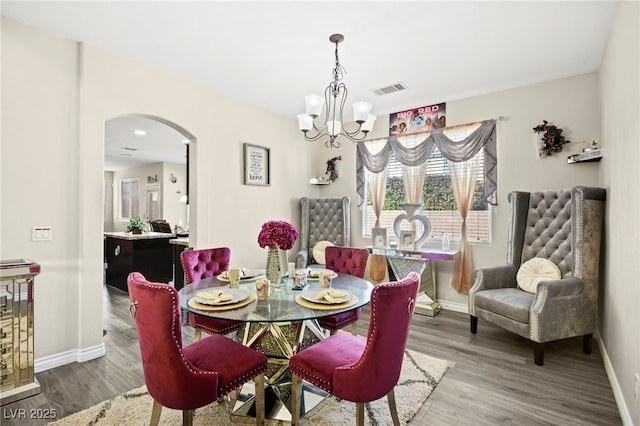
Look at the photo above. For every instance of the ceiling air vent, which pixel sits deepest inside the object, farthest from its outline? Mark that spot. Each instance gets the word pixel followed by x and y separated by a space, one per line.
pixel 390 89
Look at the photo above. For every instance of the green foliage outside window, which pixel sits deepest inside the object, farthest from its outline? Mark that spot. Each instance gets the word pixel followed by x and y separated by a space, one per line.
pixel 437 194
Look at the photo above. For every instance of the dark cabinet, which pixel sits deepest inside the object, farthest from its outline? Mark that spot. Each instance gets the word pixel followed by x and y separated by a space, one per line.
pixel 152 257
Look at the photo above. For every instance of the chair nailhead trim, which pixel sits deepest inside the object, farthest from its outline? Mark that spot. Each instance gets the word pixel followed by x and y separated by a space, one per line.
pixel 322 384
pixel 243 379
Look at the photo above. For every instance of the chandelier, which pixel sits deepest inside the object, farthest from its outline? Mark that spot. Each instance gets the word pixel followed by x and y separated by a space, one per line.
pixel 335 96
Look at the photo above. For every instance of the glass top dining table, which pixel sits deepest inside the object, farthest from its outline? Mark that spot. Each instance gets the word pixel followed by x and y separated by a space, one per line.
pixel 281 306
pixel 279 327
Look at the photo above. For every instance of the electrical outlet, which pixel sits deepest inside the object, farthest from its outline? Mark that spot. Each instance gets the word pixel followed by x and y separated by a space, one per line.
pixel 636 387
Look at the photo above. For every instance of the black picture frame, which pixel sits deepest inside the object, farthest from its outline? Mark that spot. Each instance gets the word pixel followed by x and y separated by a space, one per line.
pixel 256 161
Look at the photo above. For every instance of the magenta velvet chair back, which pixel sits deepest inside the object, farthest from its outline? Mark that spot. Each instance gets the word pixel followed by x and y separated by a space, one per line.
pixel 189 377
pixel 377 371
pixel 204 263
pixel 356 369
pixel 348 260
pixel 170 378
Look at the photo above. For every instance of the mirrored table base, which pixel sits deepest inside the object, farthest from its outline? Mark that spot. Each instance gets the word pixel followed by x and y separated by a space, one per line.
pixel 279 342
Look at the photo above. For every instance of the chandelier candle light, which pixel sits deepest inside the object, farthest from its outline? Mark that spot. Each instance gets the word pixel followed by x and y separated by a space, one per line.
pixel 335 96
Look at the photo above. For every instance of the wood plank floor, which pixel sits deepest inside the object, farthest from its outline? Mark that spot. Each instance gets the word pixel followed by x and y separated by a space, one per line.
pixel 493 382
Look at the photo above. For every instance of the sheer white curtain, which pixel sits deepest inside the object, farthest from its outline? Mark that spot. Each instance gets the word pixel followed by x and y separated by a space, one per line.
pixel 376 182
pixel 413 176
pixel 464 176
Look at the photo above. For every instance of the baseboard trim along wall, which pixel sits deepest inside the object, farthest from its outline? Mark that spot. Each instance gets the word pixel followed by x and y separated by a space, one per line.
pixel 623 409
pixel 63 358
pixel 453 306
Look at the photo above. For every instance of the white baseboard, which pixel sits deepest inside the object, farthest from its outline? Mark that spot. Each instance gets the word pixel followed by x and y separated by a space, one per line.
pixel 625 415
pixel 63 358
pixel 455 307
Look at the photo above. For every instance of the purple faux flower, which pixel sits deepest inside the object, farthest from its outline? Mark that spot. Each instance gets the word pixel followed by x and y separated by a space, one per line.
pixel 277 233
pixel 552 137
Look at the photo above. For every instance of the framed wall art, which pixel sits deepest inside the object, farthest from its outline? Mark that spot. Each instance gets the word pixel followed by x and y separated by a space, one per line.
pixel 422 119
pixel 257 165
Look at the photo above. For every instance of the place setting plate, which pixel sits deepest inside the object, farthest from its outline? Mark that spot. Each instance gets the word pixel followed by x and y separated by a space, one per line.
pixel 245 275
pixel 311 295
pixel 236 294
pixel 308 298
pixel 314 274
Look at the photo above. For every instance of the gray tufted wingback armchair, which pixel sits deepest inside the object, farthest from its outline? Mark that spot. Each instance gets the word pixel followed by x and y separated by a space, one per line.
pixel 322 219
pixel 564 227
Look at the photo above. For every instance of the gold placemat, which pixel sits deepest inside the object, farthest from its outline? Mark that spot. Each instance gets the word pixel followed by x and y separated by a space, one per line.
pixel 192 302
pixel 325 306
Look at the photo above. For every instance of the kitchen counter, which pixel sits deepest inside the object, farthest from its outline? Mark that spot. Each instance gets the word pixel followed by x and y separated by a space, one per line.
pixel 134 237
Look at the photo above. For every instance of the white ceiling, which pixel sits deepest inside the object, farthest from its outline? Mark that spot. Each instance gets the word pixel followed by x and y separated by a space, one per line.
pixel 271 54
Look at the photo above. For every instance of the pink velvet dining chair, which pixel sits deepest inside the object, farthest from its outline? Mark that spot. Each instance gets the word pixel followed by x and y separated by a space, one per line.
pixel 189 377
pixel 205 263
pixel 357 369
pixel 346 260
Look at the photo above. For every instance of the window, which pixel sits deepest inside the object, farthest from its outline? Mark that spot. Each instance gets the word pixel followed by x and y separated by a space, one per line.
pixel 439 203
pixel 129 196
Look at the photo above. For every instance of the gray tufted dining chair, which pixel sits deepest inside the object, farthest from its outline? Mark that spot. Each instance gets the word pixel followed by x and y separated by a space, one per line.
pixel 564 226
pixel 322 219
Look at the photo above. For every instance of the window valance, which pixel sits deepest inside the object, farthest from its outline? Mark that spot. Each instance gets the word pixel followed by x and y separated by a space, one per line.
pixel 484 137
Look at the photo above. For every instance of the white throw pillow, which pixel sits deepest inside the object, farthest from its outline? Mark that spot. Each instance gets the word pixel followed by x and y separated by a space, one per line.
pixel 535 270
pixel 318 251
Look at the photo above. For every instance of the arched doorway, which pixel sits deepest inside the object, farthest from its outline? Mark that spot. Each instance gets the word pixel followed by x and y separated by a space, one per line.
pixel 146 176
pixel 147 158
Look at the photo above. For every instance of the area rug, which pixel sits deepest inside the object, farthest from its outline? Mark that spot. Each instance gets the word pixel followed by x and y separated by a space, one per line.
pixel 419 377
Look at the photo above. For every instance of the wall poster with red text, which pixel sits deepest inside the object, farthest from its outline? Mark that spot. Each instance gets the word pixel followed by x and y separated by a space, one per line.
pixel 416 120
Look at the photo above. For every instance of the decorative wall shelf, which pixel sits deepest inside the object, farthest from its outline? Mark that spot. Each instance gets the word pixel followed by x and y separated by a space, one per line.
pixel 319 181
pixel 585 157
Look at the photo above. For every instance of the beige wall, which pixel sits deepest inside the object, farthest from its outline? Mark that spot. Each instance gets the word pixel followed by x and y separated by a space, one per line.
pixel 619 321
pixel 173 211
pixel 40 183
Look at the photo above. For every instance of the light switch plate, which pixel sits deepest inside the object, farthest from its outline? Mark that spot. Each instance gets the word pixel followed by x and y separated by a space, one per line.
pixel 41 233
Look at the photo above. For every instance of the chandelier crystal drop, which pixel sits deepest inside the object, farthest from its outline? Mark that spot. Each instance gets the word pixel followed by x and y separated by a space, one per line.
pixel 332 124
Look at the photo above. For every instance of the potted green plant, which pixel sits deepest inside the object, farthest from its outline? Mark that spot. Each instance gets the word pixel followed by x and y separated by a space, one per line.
pixel 136 226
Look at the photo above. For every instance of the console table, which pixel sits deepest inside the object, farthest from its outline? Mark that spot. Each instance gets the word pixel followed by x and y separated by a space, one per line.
pixel 402 261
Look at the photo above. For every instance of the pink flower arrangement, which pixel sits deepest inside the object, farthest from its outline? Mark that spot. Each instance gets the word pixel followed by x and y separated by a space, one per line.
pixel 277 233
